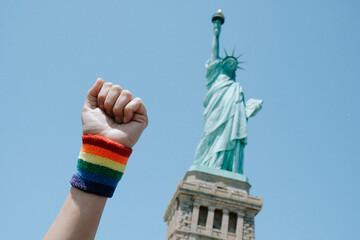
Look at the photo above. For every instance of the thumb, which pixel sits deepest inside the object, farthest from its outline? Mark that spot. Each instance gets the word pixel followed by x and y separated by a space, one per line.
pixel 92 94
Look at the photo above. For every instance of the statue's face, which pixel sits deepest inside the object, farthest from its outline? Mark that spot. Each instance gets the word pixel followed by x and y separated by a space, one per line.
pixel 230 66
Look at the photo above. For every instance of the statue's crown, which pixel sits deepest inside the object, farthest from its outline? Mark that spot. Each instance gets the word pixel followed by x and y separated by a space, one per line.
pixel 227 56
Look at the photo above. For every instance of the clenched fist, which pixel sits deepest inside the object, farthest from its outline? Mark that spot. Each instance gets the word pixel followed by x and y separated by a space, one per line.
pixel 114 113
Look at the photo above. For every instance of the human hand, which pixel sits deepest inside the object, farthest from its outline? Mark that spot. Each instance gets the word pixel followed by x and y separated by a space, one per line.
pixel 217 27
pixel 114 113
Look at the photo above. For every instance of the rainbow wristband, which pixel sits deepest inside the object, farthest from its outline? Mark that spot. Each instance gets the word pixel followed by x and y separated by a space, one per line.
pixel 100 166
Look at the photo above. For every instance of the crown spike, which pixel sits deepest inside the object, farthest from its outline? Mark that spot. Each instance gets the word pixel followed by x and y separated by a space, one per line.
pixel 226 53
pixel 233 52
pixel 239 56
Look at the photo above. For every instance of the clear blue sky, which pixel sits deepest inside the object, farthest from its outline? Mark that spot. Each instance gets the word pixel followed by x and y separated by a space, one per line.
pixel 303 152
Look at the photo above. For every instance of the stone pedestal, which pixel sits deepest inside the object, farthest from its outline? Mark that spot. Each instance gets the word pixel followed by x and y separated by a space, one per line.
pixel 207 206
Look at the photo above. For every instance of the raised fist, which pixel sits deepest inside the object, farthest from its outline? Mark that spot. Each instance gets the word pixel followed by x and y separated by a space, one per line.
pixel 114 113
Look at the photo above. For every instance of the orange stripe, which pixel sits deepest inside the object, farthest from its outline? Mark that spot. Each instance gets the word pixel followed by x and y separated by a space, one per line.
pixel 101 152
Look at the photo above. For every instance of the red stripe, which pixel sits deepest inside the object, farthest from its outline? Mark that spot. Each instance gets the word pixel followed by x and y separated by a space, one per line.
pixel 104 153
pixel 107 144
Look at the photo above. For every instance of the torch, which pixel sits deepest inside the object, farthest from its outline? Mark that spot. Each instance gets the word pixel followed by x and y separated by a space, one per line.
pixel 218 16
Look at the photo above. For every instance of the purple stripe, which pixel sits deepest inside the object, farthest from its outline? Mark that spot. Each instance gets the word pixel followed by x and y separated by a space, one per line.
pixel 92 187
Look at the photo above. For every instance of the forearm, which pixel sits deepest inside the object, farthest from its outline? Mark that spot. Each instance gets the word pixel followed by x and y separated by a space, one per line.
pixel 78 218
pixel 215 48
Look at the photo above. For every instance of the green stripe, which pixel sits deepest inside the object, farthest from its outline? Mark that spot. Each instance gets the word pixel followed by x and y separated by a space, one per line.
pixel 94 168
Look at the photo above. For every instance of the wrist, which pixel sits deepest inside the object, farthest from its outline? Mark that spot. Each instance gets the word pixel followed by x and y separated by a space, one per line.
pixel 100 166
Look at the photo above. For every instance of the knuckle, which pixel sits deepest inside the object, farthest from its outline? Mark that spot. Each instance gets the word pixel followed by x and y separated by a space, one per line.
pixel 138 100
pixel 126 93
pixel 108 84
pixel 116 88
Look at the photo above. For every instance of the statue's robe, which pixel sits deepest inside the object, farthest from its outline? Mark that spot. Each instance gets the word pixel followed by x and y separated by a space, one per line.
pixel 225 118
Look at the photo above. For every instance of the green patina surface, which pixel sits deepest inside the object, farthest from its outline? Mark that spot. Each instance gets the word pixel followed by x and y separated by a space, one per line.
pixel 225 117
pixel 219 172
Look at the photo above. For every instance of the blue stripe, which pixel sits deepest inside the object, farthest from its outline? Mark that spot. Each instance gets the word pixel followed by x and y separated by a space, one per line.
pixel 93 177
pixel 92 187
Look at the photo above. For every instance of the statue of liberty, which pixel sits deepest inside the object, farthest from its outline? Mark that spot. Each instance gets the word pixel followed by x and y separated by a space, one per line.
pixel 226 114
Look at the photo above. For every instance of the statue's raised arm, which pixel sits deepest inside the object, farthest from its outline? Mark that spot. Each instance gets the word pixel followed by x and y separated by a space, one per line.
pixel 218 19
pixel 215 42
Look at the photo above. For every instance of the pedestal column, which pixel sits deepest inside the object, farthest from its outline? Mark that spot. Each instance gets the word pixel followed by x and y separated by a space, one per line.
pixel 225 223
pixel 195 217
pixel 239 226
pixel 210 220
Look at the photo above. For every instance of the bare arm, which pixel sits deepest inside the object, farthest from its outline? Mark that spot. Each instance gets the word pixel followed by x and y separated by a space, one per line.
pixel 113 113
pixel 215 42
pixel 79 217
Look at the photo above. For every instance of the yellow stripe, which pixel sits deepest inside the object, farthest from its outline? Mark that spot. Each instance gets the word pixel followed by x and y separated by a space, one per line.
pixel 102 161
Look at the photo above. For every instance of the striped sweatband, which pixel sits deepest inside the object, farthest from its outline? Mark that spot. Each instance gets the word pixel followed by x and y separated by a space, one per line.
pixel 100 166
